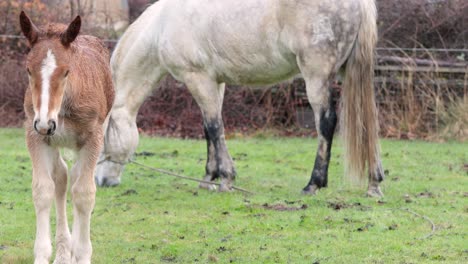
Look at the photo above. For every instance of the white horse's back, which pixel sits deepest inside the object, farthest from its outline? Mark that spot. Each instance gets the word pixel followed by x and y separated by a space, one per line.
pixel 241 42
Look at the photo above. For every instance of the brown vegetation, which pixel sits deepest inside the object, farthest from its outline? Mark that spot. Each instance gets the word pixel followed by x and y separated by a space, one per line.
pixel 416 103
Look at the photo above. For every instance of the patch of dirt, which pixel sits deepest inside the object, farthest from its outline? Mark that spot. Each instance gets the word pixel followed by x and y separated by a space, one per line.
pixel 129 192
pixel 240 156
pixel 284 207
pixel 172 154
pixel 337 205
pixel 169 258
pixel 407 198
pixel 348 220
pixel 129 260
pixel 342 205
pixel 212 258
pixel 222 249
pixel 425 194
pixel 365 228
pixel 381 202
pixel 293 202
pixel 144 154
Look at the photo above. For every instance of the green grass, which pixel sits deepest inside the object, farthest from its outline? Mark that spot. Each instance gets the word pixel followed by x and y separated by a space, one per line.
pixel 153 218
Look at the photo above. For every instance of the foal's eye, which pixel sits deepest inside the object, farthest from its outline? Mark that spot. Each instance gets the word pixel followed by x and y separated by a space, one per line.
pixel 66 73
pixel 29 72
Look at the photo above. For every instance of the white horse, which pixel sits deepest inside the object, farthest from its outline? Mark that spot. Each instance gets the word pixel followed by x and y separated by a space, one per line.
pixel 207 43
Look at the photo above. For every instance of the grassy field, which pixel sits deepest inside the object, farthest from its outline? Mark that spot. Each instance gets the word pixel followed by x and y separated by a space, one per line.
pixel 153 218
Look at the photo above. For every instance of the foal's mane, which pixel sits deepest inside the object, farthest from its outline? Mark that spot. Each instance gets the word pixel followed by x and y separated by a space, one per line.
pixel 51 31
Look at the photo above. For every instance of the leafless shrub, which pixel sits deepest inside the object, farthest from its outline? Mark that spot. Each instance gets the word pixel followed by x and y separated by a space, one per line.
pixel 13 82
pixel 171 110
pixel 414 99
pixel 453 116
pixel 412 103
pixel 426 23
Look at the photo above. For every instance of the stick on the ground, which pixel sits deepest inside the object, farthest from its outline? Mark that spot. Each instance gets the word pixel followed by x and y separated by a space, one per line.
pixel 187 178
pixel 424 217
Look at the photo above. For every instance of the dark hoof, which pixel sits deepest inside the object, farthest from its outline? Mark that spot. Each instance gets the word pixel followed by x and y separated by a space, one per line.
pixel 310 190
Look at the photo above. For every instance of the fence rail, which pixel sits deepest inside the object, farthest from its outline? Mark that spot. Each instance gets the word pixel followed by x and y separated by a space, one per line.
pixel 9 36
pixel 385 63
pixel 409 68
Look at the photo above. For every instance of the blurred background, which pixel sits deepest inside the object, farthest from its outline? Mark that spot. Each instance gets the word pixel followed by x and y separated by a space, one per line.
pixel 421 73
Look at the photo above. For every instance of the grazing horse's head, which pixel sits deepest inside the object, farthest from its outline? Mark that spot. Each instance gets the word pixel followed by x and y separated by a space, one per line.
pixel 48 66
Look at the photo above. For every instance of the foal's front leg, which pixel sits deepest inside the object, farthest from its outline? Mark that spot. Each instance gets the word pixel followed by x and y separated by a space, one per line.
pixel 83 191
pixel 62 235
pixel 43 190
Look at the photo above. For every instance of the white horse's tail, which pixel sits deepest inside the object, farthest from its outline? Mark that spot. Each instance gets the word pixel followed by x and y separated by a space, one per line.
pixel 359 112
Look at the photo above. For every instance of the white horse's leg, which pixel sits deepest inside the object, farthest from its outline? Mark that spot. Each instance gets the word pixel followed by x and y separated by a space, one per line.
pixel 325 123
pixel 375 178
pixel 209 96
pixel 120 130
pixel 43 190
pixel 62 235
pixel 211 165
pixel 83 191
pixel 323 104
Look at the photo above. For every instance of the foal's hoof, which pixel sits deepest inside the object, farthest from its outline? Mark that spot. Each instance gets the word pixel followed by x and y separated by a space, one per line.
pixel 310 190
pixel 62 260
pixel 41 261
pixel 374 192
pixel 63 254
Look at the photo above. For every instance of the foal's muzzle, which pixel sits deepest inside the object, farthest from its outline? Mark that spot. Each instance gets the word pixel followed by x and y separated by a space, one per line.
pixel 45 129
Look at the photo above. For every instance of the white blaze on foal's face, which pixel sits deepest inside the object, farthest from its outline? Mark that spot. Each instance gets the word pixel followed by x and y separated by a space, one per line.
pixel 47 82
pixel 49 65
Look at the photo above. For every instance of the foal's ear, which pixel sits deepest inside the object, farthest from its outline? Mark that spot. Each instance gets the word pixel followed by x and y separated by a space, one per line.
pixel 30 31
pixel 72 32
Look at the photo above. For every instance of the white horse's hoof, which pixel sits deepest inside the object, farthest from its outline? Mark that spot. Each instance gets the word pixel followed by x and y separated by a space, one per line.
pixel 225 185
pixel 207 186
pixel 310 190
pixel 374 192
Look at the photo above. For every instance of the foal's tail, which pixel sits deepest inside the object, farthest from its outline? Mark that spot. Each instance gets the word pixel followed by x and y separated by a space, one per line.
pixel 359 112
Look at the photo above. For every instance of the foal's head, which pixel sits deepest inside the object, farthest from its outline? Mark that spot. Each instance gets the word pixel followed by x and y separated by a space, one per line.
pixel 48 66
